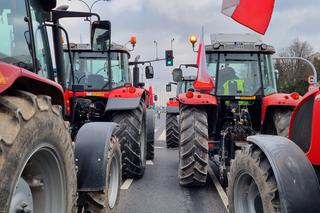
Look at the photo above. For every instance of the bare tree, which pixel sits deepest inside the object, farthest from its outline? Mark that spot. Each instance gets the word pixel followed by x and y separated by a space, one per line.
pixel 293 74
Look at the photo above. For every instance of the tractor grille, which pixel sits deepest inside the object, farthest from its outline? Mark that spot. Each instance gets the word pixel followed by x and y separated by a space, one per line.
pixel 302 123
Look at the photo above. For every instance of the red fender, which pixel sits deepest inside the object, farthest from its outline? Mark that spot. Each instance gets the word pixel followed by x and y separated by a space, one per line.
pixel 313 153
pixel 197 99
pixel 25 80
pixel 173 102
pixel 278 99
pixel 314 149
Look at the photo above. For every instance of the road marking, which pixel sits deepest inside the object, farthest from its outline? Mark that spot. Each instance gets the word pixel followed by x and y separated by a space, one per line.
pixel 219 188
pixel 149 162
pixel 126 184
pixel 162 136
pixel 159 147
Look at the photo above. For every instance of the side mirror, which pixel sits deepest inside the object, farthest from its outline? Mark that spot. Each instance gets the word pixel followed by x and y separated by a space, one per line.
pixel 168 87
pixel 149 72
pixel 276 74
pixel 177 75
pixel 101 35
pixel 155 97
pixel 46 6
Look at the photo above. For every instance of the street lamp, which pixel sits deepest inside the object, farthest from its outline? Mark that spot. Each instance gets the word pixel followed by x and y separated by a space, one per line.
pixel 90 6
pixel 156 45
pixel 172 40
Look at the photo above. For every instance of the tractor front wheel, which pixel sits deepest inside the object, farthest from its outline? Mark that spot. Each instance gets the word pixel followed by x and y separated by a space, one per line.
pixel 107 200
pixel 133 139
pixel 193 149
pixel 172 130
pixel 252 184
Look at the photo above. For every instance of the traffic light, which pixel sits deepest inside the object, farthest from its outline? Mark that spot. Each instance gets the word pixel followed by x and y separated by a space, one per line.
pixel 169 58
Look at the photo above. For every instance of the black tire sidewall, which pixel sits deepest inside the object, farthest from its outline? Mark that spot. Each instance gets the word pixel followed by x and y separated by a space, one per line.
pixel 43 130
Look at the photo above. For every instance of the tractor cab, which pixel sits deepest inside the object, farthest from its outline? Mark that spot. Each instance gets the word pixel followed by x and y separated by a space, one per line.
pixel 240 66
pixel 186 84
pixel 98 70
pixel 243 74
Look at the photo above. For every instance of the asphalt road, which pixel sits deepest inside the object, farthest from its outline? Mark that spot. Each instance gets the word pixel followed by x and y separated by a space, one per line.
pixel 159 190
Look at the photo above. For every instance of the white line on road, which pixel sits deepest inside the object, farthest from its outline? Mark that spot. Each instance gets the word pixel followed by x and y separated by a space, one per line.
pixel 149 162
pixel 159 147
pixel 126 184
pixel 162 136
pixel 219 188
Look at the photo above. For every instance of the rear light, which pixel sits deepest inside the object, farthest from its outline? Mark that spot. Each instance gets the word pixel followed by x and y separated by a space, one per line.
pixel 189 94
pixel 295 95
pixel 132 89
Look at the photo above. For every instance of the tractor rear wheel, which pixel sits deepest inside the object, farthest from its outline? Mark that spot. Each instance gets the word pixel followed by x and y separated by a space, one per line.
pixel 281 119
pixel 172 130
pixel 150 134
pixel 36 156
pixel 252 184
pixel 133 139
pixel 193 150
pixel 107 201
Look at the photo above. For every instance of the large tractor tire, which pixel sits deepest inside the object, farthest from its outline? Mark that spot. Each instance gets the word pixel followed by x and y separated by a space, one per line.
pixel 281 118
pixel 150 134
pixel 193 149
pixel 172 130
pixel 272 174
pixel 252 184
pixel 133 139
pixel 107 201
pixel 36 156
pixel 280 122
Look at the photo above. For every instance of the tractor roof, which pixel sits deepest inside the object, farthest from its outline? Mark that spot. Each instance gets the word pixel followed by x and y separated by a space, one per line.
pixel 238 43
pixel 87 47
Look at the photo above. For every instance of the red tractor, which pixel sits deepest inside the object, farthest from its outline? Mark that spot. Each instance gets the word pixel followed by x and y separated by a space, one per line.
pixel 41 169
pixel 276 174
pixel 109 94
pixel 172 110
pixel 244 101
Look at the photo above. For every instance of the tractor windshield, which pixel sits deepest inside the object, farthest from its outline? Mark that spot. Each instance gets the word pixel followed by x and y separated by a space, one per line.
pixel 184 86
pixel 238 74
pixel 92 70
pixel 13 33
pixel 15 37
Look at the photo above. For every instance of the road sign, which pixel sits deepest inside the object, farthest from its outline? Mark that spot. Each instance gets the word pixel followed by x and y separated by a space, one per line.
pixel 311 79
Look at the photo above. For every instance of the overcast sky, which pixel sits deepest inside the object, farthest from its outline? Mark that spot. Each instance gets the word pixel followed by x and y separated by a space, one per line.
pixel 163 20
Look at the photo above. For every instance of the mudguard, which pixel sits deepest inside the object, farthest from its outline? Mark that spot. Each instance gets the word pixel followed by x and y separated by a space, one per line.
pixel 91 145
pixel 122 103
pixel 12 76
pixel 297 182
pixel 198 99
pixel 150 125
pixel 124 98
pixel 277 100
pixel 173 109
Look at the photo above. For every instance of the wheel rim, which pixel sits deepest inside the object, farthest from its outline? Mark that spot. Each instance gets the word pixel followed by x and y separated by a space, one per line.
pixel 114 181
pixel 246 195
pixel 40 186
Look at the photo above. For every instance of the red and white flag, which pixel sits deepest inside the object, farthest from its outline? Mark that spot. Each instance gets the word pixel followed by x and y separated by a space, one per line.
pixel 255 14
pixel 203 80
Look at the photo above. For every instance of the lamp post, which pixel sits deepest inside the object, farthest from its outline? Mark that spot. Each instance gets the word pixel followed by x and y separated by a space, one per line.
pixel 172 40
pixel 156 45
pixel 90 6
